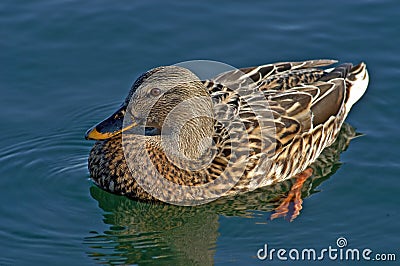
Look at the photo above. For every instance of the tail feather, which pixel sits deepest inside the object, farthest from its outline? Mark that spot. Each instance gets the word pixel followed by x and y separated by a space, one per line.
pixel 340 71
pixel 356 83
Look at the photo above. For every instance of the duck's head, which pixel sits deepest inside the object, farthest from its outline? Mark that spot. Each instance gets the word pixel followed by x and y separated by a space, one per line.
pixel 154 99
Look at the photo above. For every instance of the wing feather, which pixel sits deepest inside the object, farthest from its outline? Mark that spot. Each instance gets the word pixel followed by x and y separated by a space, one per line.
pixel 301 98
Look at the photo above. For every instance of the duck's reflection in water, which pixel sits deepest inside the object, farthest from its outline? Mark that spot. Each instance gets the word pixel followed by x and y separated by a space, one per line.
pixel 174 235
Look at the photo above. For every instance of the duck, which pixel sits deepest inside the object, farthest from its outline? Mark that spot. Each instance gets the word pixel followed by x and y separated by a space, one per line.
pixel 184 140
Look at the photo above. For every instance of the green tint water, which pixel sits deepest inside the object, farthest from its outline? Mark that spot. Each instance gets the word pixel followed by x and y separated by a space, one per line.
pixel 66 65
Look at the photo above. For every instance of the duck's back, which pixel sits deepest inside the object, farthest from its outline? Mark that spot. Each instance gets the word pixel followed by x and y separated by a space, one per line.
pixel 307 107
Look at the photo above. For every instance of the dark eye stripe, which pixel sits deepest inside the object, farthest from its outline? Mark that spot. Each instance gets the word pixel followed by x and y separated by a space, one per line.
pixel 155 92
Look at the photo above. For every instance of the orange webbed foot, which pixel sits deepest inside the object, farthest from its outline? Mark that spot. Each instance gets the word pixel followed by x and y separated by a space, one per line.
pixel 295 196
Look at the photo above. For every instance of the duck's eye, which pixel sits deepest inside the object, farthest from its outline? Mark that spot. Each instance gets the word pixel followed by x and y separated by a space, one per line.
pixel 155 91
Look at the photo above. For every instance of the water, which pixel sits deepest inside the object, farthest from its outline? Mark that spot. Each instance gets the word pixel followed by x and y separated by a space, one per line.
pixel 65 65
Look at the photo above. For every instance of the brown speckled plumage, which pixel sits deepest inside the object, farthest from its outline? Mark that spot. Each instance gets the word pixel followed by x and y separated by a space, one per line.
pixel 307 108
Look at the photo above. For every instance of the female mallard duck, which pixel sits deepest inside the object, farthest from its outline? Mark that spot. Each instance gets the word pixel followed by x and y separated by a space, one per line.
pixel 185 141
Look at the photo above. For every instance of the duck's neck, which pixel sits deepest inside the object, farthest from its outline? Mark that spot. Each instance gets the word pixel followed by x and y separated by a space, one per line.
pixel 195 137
pixel 189 146
pixel 187 133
